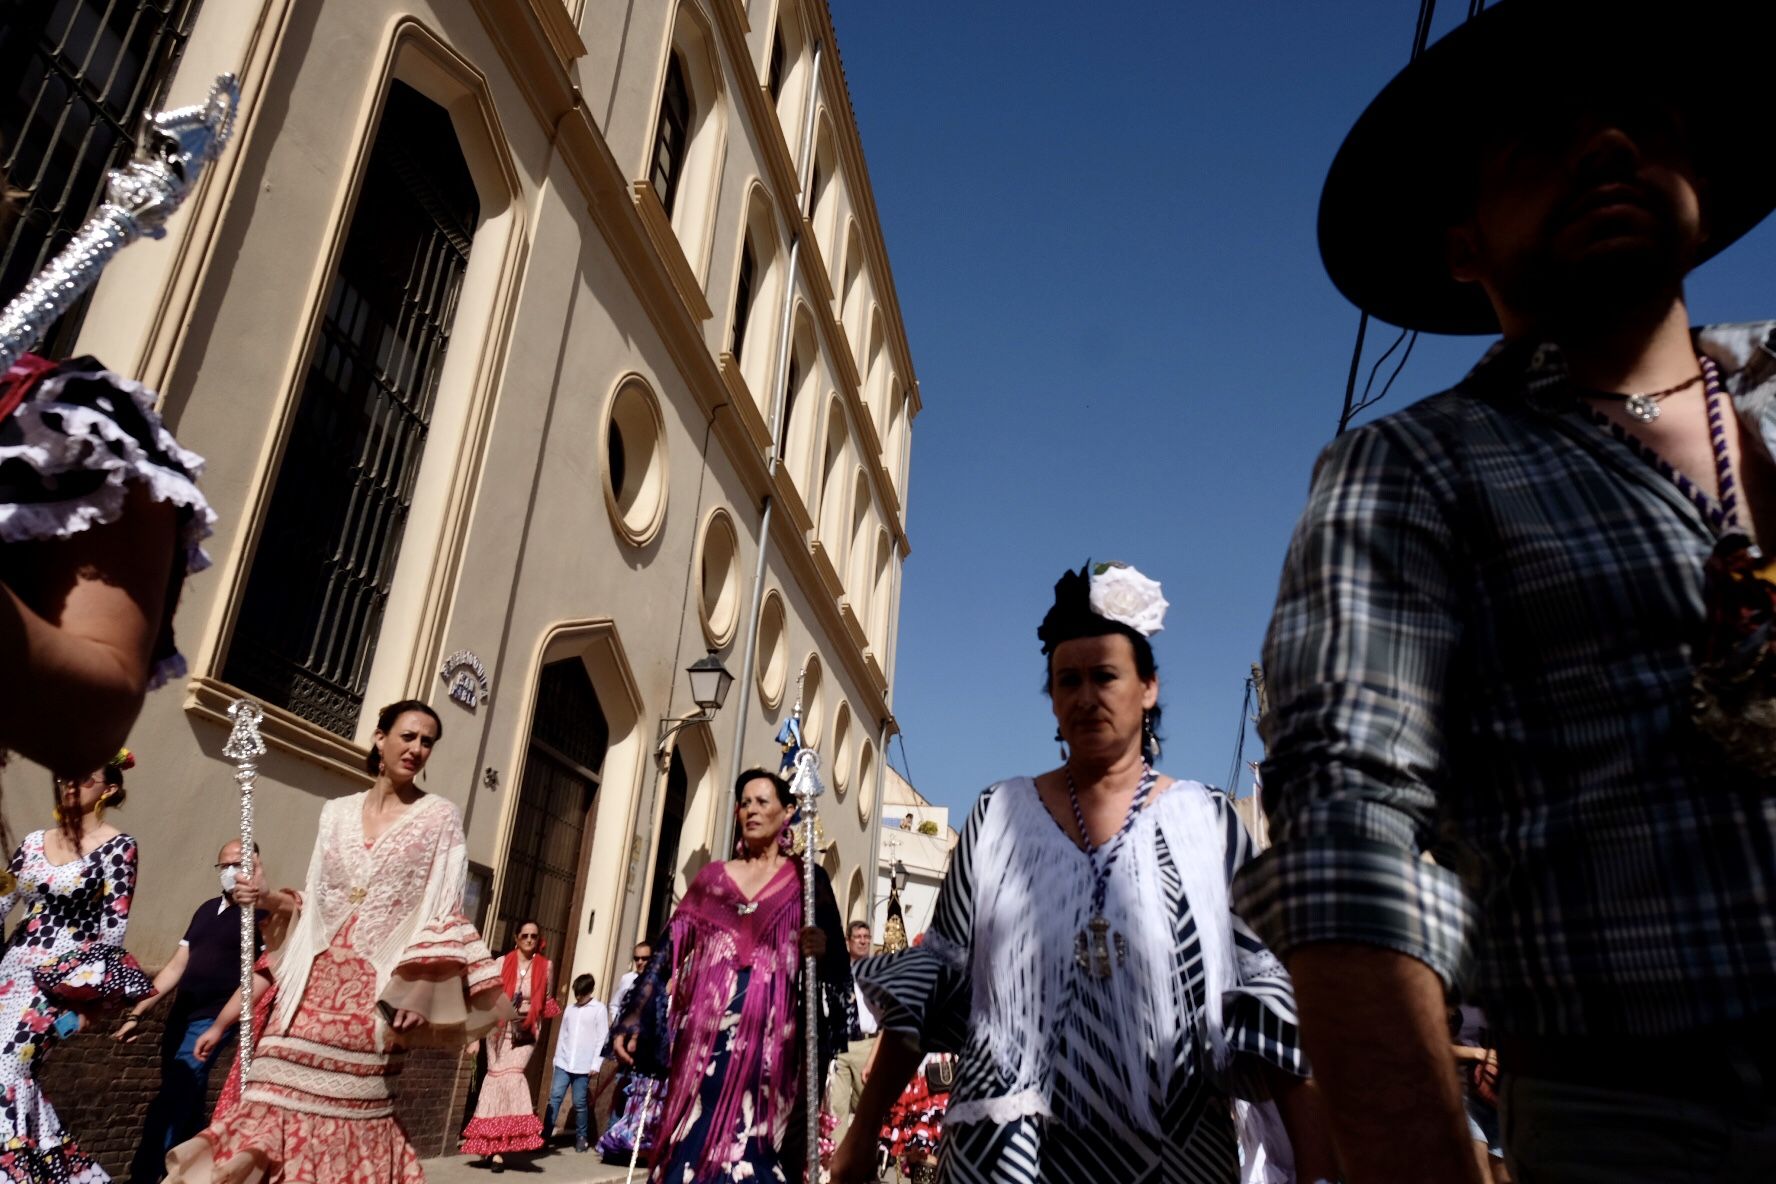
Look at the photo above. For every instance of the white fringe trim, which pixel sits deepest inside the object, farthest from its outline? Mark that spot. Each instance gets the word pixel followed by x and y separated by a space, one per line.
pixel 999 1111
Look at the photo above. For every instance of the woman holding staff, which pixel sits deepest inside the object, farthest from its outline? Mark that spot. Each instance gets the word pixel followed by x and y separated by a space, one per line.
pixel 1108 1006
pixel 380 960
pixel 732 957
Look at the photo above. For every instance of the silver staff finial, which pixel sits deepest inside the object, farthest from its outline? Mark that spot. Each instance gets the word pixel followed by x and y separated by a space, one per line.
pixel 140 197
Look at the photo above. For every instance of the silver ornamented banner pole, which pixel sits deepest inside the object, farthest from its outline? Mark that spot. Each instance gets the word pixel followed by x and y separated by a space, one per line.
pixel 140 197
pixel 807 789
pixel 244 747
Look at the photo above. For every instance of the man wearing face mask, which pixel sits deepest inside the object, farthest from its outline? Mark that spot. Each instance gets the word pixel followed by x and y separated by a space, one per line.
pixel 206 970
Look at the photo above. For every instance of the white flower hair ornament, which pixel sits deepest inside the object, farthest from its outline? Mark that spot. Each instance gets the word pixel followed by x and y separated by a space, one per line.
pixel 1122 594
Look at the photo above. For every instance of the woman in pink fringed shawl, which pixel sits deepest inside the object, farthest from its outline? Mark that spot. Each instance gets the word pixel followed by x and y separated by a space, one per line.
pixel 731 959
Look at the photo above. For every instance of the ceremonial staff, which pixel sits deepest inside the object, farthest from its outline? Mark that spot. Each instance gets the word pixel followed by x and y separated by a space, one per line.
pixel 140 197
pixel 244 747
pixel 807 789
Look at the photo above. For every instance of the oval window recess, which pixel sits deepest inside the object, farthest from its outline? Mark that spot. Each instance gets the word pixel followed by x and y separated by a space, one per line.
pixel 841 767
pixel 773 650
pixel 718 587
pixel 635 462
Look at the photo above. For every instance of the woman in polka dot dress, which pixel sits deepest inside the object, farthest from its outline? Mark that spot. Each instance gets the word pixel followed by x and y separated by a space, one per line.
pixel 64 960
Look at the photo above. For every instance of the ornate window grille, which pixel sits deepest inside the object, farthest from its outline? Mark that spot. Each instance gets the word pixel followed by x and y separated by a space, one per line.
pixel 320 580
pixel 76 77
pixel 673 135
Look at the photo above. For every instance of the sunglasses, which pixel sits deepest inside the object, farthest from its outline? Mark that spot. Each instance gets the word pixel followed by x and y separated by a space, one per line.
pixel 527 937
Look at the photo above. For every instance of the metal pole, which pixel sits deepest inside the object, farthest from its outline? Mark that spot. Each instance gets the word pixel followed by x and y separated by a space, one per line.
pixel 244 747
pixel 807 788
pixel 647 1100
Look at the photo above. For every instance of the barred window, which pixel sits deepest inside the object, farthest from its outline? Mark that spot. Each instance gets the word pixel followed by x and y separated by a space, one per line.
pixel 673 135
pixel 76 77
pixel 320 579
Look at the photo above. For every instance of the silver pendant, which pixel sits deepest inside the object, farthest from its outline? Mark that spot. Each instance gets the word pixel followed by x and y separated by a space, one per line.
pixel 1092 949
pixel 1642 408
pixel 747 909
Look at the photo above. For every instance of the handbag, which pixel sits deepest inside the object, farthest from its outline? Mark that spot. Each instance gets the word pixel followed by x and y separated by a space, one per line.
pixel 940 1075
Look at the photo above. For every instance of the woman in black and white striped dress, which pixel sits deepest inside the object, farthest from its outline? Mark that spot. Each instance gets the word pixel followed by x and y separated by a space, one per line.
pixel 1108 1007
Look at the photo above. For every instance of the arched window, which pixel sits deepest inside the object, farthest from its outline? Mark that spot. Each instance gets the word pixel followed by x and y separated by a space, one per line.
pixel 320 579
pixel 745 288
pixel 823 197
pixel 851 308
pixel 857 578
pixel 758 294
pixel 874 376
pixel 881 598
pixel 830 528
pixel 672 134
pixel 798 390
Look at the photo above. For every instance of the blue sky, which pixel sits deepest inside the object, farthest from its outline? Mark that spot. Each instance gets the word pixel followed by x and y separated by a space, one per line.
pixel 1101 224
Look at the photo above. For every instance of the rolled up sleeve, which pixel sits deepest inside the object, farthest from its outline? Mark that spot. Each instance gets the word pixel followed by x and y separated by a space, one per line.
pixel 1357 664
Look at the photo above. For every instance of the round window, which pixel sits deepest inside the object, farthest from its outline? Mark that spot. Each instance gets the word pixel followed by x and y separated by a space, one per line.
pixel 773 651
pixel 718 587
pixel 635 462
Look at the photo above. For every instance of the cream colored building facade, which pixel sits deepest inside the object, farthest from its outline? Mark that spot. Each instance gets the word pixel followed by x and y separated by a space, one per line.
pixel 646 371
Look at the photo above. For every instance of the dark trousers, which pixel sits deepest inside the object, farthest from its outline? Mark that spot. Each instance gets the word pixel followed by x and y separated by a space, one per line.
pixel 1557 1132
pixel 178 1110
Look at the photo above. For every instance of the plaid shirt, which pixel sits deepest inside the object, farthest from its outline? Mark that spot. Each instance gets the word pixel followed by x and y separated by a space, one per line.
pixel 1482 644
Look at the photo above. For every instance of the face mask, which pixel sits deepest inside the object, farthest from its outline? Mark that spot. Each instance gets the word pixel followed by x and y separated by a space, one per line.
pixel 230 877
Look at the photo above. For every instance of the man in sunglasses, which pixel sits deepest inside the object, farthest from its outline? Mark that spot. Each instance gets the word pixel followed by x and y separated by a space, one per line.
pixel 1523 628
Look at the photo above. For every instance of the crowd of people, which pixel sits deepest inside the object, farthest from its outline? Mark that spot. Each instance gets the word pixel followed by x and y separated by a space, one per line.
pixel 1520 743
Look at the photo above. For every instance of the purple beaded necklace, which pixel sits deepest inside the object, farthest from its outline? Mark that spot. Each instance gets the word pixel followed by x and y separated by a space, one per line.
pixel 1092 946
pixel 1721 513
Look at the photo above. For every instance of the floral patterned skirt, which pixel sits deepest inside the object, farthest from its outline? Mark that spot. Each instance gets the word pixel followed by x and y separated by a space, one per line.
pixel 318 1103
pixel 639 1121
pixel 751 1155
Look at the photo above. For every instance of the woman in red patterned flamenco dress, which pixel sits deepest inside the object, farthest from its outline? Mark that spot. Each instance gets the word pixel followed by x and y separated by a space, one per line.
pixel 380 960
pixel 505 1116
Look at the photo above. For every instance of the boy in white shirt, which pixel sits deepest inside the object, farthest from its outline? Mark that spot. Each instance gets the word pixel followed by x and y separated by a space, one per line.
pixel 584 1028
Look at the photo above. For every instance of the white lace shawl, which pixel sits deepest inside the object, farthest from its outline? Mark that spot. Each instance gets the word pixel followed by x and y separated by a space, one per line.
pixel 411 877
pixel 1032 894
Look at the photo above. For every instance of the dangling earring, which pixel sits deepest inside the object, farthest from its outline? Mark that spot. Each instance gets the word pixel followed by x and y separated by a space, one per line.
pixel 786 839
pixel 1059 739
pixel 99 809
pixel 1149 742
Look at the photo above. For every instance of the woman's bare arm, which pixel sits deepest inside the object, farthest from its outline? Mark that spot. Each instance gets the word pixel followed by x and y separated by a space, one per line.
pixel 78 622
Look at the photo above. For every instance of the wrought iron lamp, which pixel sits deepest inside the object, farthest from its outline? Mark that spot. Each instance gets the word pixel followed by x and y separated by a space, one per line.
pixel 710 681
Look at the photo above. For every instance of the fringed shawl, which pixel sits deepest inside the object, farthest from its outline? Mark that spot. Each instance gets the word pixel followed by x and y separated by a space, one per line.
pixel 403 896
pixel 1032 894
pixel 710 943
pixel 539 1004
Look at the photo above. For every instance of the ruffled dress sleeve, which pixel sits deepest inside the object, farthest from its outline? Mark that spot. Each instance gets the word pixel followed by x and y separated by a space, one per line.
pixel 445 972
pixel 100 972
pixel 923 994
pixel 78 439
pixel 1258 1012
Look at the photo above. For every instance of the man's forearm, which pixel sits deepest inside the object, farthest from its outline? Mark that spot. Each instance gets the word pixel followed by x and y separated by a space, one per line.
pixel 1376 1031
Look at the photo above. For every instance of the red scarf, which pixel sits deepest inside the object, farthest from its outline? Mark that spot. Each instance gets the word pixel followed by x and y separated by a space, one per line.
pixel 18 382
pixel 537 991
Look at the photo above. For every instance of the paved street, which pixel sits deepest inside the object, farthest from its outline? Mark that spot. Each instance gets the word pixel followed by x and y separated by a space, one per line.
pixel 561 1165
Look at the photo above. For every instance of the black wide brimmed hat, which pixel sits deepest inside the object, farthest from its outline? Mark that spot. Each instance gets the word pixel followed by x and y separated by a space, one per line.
pixel 1405 172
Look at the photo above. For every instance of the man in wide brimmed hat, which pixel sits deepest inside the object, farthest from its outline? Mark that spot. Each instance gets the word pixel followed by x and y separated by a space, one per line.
pixel 1527 616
